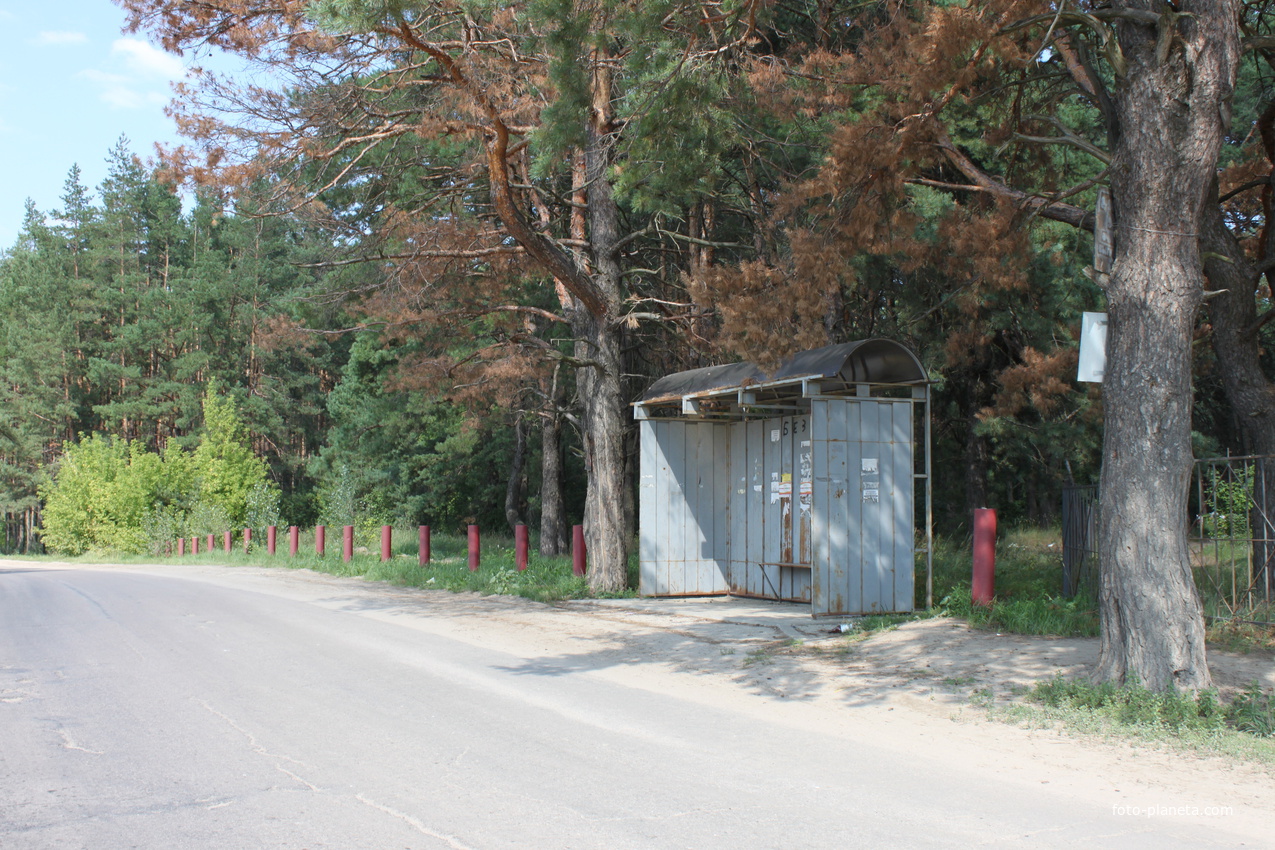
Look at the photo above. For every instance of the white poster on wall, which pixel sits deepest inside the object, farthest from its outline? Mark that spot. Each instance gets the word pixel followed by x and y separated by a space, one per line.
pixel 1093 347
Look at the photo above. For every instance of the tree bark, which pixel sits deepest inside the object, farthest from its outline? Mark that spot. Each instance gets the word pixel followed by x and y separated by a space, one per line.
pixel 1170 104
pixel 1237 347
pixel 553 514
pixel 514 489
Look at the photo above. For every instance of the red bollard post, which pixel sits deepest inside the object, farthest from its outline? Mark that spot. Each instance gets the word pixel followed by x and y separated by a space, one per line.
pixel 984 585
pixel 386 532
pixel 212 545
pixel 347 543
pixel 474 552
pixel 227 540
pixel 181 546
pixel 272 537
pixel 578 555
pixel 194 544
pixel 320 532
pixel 520 546
pixel 423 551
pixel 247 539
pixel 294 540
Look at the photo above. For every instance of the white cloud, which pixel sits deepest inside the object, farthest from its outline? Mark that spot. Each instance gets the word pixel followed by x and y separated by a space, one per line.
pixel 122 91
pixel 142 58
pixel 59 37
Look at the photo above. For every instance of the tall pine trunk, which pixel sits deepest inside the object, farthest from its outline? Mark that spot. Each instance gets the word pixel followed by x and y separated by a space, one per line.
pixel 601 387
pixel 1249 393
pixel 553 513
pixel 1170 101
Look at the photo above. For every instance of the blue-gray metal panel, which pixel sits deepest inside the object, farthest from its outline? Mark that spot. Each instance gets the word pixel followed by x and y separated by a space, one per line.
pixel 821 497
pixel 721 507
pixel 831 521
pixel 851 567
pixel 758 483
pixel 692 532
pixel 706 508
pixel 904 510
pixel 874 514
pixel 675 508
pixel 650 548
pixel 805 508
pixel 738 543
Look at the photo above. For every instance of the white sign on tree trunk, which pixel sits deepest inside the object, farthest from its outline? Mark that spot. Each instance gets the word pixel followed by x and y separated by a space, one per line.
pixel 1093 347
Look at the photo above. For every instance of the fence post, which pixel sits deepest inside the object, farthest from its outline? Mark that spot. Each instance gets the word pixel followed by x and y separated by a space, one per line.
pixel 227 540
pixel 578 554
pixel 984 584
pixel 386 533
pixel 347 543
pixel 181 547
pixel 320 532
pixel 194 544
pixel 272 536
pixel 247 539
pixel 473 548
pixel 520 546
pixel 423 551
pixel 212 542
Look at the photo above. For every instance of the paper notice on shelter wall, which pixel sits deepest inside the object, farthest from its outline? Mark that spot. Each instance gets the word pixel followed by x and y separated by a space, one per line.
pixel 1093 347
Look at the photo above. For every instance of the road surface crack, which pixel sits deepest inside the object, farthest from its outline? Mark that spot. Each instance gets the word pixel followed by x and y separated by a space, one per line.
pixel 257 748
pixel 449 840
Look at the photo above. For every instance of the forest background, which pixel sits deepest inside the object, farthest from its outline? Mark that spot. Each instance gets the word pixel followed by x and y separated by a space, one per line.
pixel 394 356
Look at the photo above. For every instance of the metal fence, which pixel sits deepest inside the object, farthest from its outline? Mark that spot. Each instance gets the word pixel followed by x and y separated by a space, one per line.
pixel 1231 541
pixel 1080 541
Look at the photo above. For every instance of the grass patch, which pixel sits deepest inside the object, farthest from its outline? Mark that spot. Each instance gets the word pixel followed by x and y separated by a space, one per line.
pixel 1028 597
pixel 1199 723
pixel 544 580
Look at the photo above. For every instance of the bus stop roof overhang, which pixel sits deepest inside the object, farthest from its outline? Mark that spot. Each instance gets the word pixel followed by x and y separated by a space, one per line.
pixel 744 390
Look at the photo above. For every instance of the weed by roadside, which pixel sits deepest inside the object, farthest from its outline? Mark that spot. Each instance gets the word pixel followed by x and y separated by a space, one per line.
pixel 1193 723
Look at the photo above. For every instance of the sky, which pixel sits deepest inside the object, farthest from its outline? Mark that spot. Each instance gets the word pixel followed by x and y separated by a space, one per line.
pixel 71 83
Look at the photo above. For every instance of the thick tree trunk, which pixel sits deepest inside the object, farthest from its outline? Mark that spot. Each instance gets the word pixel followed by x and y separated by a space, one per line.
pixel 1250 394
pixel 553 513
pixel 1170 105
pixel 607 524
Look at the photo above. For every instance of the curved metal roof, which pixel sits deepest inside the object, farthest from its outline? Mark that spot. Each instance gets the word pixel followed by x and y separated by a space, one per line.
pixel 840 367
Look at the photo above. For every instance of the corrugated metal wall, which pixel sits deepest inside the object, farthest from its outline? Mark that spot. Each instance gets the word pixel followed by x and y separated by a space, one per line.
pixel 863 506
pixel 770 519
pixel 815 508
pixel 683 493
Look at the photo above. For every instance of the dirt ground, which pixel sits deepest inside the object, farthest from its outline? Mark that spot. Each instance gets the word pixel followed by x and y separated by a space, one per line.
pixel 908 688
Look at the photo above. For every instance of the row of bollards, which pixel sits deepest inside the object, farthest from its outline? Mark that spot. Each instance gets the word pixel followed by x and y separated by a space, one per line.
pixel 521 544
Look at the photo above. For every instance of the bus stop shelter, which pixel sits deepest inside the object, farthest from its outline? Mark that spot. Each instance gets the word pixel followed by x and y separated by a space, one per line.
pixel 802 485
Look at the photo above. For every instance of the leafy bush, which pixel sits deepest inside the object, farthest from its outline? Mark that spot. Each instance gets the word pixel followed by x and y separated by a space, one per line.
pixel 112 496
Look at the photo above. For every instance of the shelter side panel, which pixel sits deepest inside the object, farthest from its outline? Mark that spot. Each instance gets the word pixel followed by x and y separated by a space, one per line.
pixel 904 507
pixel 872 521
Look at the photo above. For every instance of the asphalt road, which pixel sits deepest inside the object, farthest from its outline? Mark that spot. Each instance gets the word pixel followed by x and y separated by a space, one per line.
pixel 141 710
